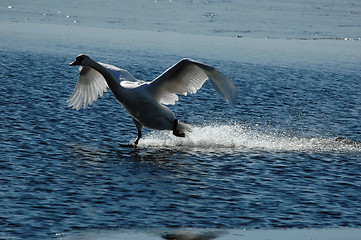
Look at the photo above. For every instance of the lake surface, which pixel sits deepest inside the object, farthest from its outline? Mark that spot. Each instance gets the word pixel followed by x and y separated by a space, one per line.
pixel 287 156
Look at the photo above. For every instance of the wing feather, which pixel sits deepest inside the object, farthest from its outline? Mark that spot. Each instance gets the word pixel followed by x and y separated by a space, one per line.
pixel 188 76
pixel 91 85
pixel 118 73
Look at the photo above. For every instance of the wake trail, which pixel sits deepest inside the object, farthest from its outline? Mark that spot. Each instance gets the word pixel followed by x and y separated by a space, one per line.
pixel 238 137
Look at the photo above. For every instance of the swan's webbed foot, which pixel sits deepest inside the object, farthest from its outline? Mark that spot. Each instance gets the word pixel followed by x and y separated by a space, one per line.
pixel 179 134
pixel 176 132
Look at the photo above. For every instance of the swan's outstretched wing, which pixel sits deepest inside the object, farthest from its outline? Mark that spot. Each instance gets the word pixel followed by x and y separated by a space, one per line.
pixel 119 74
pixel 187 76
pixel 91 84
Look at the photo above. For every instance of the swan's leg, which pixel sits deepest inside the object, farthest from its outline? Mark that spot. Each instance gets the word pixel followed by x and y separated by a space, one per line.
pixel 176 132
pixel 139 128
pixel 139 136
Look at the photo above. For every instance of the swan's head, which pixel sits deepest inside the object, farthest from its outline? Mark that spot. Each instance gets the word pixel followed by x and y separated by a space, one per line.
pixel 82 60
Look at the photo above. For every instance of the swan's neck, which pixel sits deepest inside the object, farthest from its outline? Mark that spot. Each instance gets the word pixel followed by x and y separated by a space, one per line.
pixel 113 84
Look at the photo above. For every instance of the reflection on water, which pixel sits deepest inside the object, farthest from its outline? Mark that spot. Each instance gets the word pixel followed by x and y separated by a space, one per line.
pixel 208 234
pixel 192 235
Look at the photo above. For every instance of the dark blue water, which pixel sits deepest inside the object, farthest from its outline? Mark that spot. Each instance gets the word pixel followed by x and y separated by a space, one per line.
pixel 288 155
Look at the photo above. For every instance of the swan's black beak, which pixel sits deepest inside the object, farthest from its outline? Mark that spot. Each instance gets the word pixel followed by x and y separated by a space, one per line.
pixel 75 63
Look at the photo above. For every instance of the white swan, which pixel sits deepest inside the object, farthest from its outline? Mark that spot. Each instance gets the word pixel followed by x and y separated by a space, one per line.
pixel 144 100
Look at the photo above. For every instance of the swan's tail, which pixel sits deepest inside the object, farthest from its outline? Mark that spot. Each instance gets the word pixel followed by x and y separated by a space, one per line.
pixel 181 129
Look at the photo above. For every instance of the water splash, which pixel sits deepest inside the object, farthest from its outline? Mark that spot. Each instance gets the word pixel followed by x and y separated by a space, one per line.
pixel 238 137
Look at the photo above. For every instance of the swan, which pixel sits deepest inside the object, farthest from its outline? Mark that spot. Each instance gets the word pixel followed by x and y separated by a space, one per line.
pixel 145 101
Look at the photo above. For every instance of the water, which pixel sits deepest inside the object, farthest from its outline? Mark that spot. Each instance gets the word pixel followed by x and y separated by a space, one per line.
pixel 276 19
pixel 287 156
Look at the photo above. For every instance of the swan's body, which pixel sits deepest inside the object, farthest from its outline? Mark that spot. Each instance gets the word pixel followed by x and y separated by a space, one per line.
pixel 144 100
